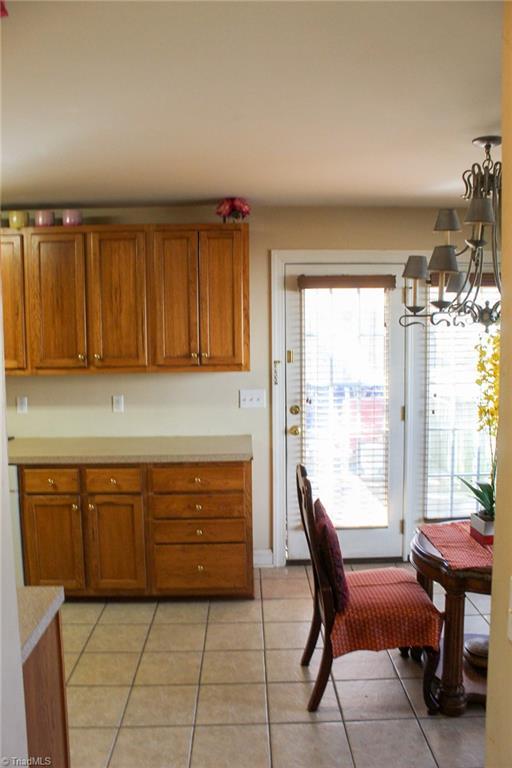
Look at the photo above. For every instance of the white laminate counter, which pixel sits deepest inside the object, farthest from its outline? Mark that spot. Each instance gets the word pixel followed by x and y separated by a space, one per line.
pixel 37 607
pixel 129 450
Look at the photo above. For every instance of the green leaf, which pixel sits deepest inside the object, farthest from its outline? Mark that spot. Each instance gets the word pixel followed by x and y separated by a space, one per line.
pixel 482 496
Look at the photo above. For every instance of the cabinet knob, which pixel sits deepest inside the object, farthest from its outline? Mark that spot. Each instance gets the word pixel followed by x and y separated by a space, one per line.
pixel 194 355
pixel 74 507
pixel 91 507
pixel 199 507
pixel 200 568
pixel 81 357
pixel 199 532
pixel 51 481
pixel 204 354
pixel 113 481
pixel 98 357
pixel 197 479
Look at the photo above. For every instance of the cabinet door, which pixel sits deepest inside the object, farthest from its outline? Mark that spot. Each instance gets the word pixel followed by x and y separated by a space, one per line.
pixel 56 301
pixel 222 299
pixel 117 299
pixel 174 292
pixel 53 544
pixel 116 543
pixel 13 301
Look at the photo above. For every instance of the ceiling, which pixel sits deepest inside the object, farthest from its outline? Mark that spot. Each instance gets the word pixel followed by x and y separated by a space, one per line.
pixel 315 103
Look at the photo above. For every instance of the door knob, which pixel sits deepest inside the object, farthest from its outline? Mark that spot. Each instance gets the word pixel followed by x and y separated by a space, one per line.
pixel 295 430
pixel 295 409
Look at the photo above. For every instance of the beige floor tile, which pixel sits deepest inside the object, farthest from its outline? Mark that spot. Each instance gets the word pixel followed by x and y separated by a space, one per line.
pixel 70 659
pixel 236 637
pixel 288 703
pixel 117 637
pixel 74 636
pixel 97 705
pixel 283 666
pixel 221 746
pixel 105 669
pixel 169 669
pixel 322 745
pixel 363 665
pixel 152 748
pixel 176 637
pixel 397 743
pixel 231 704
pixel 439 601
pixel 406 668
pixel 369 566
pixel 90 747
pixel 300 609
pixel 273 589
pixel 257 590
pixel 235 611
pixel 233 667
pixel 288 634
pixel 414 690
pixel 288 572
pixel 457 742
pixel 81 613
pixel 181 613
pixel 128 613
pixel 373 700
pixel 161 705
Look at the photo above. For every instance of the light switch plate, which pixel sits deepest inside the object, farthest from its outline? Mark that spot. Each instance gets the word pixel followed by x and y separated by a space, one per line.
pixel 22 404
pixel 253 398
pixel 118 403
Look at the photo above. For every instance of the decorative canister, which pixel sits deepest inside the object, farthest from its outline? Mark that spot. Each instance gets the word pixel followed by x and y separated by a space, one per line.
pixel 44 219
pixel 18 219
pixel 71 217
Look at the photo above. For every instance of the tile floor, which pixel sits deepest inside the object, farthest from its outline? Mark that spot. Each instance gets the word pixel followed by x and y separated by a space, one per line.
pixel 219 685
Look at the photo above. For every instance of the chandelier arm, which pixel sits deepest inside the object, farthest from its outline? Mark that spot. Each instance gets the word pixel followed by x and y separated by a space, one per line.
pixel 496 260
pixel 456 303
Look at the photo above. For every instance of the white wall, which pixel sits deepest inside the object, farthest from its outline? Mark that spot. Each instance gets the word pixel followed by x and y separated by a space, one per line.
pixel 200 404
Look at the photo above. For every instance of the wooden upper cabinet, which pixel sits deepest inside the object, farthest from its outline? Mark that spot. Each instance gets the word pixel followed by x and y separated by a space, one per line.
pixel 174 299
pixel 13 301
pixel 56 301
pixel 223 299
pixel 117 299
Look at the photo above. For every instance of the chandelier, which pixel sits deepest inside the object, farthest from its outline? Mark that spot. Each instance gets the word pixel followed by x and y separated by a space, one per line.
pixel 459 284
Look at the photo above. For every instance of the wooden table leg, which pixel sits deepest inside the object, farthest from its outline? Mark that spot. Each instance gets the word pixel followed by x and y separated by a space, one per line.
pixel 426 583
pixel 452 697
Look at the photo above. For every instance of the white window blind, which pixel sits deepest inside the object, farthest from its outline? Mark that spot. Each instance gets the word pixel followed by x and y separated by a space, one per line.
pixel 345 397
pixel 453 445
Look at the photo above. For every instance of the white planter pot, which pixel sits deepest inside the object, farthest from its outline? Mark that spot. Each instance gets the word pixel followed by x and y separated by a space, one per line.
pixel 482 530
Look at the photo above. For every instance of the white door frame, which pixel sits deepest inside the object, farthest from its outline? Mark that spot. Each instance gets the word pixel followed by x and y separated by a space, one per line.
pixel 279 260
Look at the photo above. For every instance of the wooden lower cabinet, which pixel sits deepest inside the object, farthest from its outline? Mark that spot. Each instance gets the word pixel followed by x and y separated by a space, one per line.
pixel 187 531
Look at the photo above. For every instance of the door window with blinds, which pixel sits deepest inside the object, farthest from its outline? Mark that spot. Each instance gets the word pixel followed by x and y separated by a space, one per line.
pixel 454 447
pixel 346 395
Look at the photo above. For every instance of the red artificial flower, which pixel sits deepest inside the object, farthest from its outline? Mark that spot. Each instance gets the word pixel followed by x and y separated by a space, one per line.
pixel 3 10
pixel 225 207
pixel 238 207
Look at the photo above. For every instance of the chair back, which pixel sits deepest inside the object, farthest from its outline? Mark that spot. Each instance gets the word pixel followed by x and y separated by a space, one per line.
pixel 323 591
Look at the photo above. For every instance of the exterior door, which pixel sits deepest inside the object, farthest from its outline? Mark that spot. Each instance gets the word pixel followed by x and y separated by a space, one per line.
pixel 115 527
pixel 56 299
pixel 52 532
pixel 221 300
pixel 344 397
pixel 13 293
pixel 117 299
pixel 174 291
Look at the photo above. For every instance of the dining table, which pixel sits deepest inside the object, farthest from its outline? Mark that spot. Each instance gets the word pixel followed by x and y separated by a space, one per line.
pixel 446 553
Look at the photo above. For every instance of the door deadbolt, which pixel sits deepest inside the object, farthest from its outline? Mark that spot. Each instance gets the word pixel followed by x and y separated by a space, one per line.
pixel 295 409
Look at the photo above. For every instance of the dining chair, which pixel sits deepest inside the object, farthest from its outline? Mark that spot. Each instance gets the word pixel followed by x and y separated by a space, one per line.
pixel 367 610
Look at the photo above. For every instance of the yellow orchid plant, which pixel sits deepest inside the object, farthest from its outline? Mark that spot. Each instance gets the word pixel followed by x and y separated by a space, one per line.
pixel 488 379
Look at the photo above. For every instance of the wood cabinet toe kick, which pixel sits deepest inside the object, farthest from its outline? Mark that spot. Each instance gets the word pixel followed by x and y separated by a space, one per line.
pixel 139 530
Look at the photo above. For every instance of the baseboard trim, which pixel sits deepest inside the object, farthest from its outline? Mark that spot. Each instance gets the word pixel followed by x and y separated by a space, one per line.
pixel 263 558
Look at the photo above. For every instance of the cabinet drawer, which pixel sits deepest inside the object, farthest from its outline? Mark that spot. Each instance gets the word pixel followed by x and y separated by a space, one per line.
pixel 113 480
pixel 198 531
pixel 51 480
pixel 198 505
pixel 193 478
pixel 200 567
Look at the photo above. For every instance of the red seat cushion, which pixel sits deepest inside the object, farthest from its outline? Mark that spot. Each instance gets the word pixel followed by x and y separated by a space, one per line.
pixel 332 558
pixel 388 609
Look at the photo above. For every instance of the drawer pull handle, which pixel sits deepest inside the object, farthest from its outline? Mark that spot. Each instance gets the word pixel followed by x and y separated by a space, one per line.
pixel 199 507
pixel 81 357
pixel 200 568
pixel 197 479
pixel 98 357
pixel 113 481
pixel 199 532
pixel 74 507
pixel 51 481
pixel 193 355
pixel 91 507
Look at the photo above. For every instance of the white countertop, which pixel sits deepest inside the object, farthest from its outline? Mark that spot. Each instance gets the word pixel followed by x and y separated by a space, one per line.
pixel 37 607
pixel 128 450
